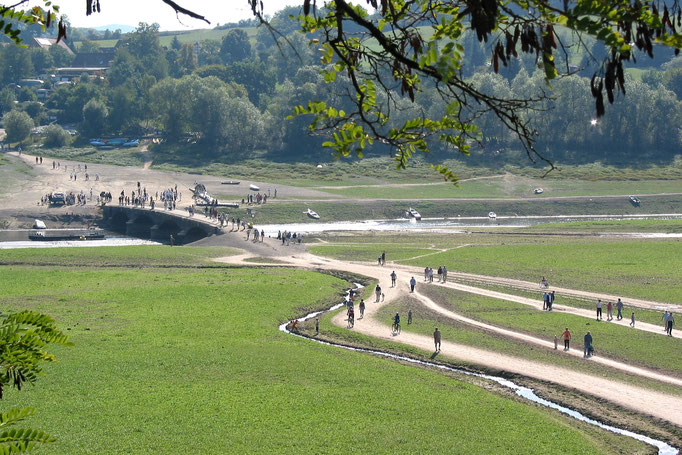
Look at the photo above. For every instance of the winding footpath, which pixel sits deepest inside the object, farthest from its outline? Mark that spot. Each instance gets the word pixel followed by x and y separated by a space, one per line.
pixel 651 402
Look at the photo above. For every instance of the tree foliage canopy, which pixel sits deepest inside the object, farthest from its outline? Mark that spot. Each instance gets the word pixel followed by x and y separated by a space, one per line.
pixel 409 44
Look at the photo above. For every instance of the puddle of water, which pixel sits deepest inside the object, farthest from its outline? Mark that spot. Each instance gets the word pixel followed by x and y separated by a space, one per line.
pixel 525 392
pixel 18 238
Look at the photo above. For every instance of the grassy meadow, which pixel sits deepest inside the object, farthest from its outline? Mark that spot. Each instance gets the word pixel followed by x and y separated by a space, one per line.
pixel 641 268
pixel 171 360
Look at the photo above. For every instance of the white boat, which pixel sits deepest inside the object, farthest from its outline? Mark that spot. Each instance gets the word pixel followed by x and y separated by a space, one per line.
pixel 253 187
pixel 492 215
pixel 414 214
pixel 37 224
pixel 312 214
pixel 538 191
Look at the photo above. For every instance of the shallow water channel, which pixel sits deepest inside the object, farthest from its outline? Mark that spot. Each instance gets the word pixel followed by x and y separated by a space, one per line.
pixel 18 238
pixel 450 225
pixel 525 392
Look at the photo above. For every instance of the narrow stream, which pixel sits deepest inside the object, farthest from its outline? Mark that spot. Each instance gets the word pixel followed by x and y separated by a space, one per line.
pixel 525 392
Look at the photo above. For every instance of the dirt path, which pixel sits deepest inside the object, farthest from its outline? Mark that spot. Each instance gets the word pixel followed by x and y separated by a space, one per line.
pixel 146 155
pixel 530 286
pixel 623 394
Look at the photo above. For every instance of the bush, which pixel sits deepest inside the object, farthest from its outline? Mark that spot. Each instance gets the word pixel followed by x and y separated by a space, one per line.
pixel 18 125
pixel 56 136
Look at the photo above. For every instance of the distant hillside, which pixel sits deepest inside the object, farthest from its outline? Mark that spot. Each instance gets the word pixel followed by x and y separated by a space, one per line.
pixel 185 36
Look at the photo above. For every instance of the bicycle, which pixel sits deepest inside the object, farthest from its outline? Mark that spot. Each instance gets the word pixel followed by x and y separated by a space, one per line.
pixel 396 328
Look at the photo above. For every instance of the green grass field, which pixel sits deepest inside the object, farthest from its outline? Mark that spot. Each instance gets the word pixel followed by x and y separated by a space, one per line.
pixel 640 268
pixel 635 268
pixel 120 256
pixel 671 226
pixel 177 360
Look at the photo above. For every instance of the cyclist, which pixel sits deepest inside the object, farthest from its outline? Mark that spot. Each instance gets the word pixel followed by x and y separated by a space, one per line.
pixel 351 317
pixel 396 323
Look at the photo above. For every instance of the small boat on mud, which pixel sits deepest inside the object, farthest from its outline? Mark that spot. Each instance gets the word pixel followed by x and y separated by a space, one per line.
pixel 538 191
pixel 414 214
pixel 253 187
pixel 312 214
pixel 40 236
pixel 230 182
pixel 492 215
pixel 37 224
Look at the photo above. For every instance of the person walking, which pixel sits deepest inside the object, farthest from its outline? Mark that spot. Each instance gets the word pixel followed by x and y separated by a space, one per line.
pixel 317 326
pixel 567 339
pixel 172 240
pixel 666 315
pixel 362 308
pixel 413 283
pixel 394 277
pixel 632 320
pixel 545 300
pixel 551 301
pixel 445 274
pixel 409 317
pixel 599 305
pixel 377 292
pixel 436 339
pixel 426 274
pixel 383 258
pixel 671 322
pixel 588 345
pixel 440 273
pixel 619 307
pixel 609 311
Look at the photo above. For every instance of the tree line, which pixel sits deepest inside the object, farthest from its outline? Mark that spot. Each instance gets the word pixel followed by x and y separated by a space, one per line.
pixel 234 97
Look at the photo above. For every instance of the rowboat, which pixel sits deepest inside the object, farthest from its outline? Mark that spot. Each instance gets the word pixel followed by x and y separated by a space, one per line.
pixel 538 191
pixel 37 224
pixel 492 215
pixel 253 187
pixel 312 214
pixel 231 182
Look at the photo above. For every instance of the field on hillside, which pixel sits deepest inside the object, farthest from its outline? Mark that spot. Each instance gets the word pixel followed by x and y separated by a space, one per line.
pixel 168 359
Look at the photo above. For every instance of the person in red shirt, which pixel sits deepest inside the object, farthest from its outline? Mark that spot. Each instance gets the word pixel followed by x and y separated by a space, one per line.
pixel 567 339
